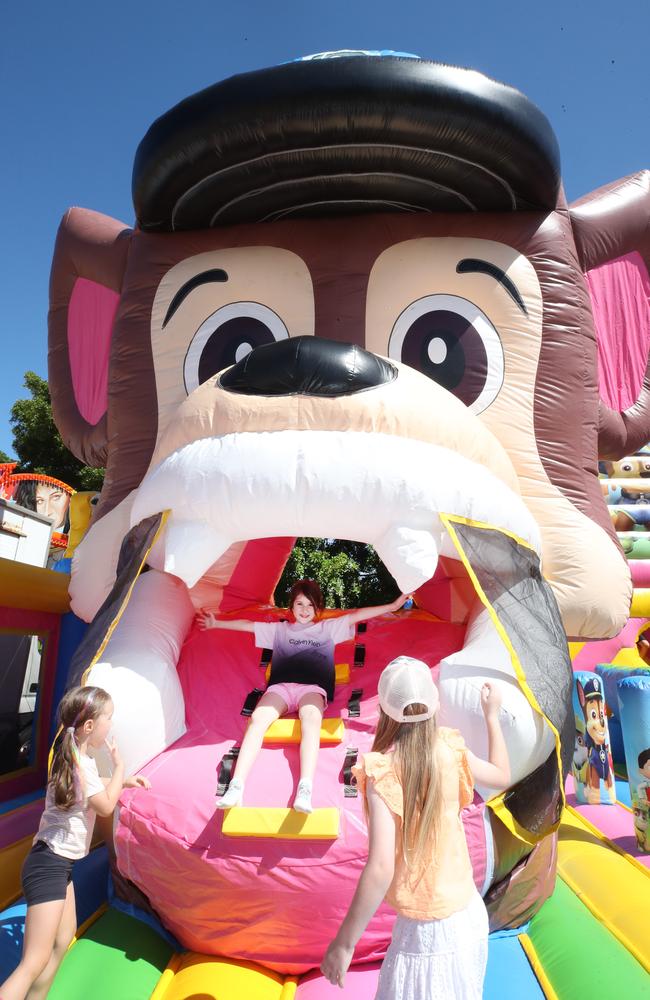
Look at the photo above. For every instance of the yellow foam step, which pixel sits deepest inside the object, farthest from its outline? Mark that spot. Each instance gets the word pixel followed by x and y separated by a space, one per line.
pixel 341 673
pixel 281 824
pixel 289 731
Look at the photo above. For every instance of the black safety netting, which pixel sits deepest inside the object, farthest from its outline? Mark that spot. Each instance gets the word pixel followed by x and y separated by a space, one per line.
pixel 509 574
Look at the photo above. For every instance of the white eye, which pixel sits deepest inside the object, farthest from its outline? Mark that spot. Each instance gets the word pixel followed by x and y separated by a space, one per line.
pixel 452 341
pixel 226 337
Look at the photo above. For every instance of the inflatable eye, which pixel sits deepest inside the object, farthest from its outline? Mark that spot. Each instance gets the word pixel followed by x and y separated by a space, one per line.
pixel 626 467
pixel 226 337
pixel 453 342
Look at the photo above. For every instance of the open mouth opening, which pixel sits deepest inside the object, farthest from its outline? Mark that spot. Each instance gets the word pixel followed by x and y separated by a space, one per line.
pixel 218 518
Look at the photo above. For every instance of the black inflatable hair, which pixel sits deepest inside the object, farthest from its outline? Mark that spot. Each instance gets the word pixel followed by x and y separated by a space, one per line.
pixel 341 135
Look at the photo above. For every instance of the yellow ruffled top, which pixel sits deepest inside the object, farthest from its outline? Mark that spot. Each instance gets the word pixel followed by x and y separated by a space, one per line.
pixel 447 883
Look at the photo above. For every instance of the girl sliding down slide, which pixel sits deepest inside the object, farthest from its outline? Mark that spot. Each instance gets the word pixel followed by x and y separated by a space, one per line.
pixel 302 678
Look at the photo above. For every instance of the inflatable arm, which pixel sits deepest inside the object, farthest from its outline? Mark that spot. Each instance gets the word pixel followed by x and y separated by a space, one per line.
pixel 608 224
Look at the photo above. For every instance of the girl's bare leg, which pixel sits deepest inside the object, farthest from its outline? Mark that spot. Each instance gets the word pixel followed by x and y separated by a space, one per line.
pixel 310 711
pixel 41 928
pixel 64 936
pixel 269 708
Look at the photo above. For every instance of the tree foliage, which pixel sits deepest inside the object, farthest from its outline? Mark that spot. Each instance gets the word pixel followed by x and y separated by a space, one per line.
pixel 350 574
pixel 38 444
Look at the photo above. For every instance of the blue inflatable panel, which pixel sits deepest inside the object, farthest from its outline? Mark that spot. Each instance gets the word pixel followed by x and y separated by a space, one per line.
pixel 623 792
pixel 90 877
pixel 147 918
pixel 509 975
pixel 12 927
pixel 72 632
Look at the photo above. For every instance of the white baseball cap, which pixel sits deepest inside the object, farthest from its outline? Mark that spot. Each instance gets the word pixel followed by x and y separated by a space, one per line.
pixel 406 681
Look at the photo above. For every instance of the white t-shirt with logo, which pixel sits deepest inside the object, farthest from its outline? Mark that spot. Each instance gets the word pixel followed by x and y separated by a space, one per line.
pixel 68 832
pixel 304 654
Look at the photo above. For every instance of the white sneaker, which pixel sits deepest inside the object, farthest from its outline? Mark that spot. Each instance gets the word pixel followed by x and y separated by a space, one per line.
pixel 233 795
pixel 302 801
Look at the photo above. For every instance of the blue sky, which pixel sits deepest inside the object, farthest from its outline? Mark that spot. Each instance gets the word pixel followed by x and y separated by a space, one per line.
pixel 81 83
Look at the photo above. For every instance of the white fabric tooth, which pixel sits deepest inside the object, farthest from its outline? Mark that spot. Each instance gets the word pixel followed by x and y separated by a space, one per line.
pixel 191 547
pixel 410 554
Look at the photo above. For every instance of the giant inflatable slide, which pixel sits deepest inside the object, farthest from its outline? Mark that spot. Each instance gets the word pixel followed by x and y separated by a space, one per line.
pixel 354 304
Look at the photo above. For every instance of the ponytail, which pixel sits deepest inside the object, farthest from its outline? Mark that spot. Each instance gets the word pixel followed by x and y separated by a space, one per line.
pixel 77 706
pixel 64 775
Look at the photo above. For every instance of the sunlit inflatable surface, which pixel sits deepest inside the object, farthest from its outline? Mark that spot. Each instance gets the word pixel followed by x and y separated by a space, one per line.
pixel 382 207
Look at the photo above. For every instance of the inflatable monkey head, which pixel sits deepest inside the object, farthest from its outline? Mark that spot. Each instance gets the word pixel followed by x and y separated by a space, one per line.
pixel 354 305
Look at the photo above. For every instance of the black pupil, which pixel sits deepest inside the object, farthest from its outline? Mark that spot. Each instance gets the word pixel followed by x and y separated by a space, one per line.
pixel 446 347
pixel 221 348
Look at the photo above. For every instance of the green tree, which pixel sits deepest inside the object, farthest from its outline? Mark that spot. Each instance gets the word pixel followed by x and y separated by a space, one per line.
pixel 4 457
pixel 350 574
pixel 38 444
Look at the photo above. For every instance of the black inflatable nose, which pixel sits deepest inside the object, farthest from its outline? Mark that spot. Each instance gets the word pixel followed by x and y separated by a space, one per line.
pixel 309 366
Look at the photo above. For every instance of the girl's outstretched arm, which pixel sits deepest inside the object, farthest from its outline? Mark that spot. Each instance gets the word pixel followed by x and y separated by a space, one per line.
pixel 207 620
pixel 373 885
pixel 365 614
pixel 494 772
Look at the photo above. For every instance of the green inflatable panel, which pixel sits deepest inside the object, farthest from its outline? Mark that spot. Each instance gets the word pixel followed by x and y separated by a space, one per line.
pixel 118 958
pixel 579 955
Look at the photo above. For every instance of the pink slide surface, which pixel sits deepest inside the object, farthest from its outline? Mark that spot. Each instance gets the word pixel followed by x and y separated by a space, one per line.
pixel 172 844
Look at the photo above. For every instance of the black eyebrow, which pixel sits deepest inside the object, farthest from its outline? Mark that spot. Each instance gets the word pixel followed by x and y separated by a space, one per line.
pixel 199 279
pixel 472 265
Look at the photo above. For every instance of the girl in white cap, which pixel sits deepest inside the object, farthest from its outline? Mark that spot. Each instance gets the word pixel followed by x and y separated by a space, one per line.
pixel 416 780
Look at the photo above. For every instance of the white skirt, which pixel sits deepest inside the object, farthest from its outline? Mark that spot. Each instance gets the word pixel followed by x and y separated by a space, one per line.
pixel 437 959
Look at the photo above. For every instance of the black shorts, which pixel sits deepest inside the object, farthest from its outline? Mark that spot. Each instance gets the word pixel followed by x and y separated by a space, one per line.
pixel 45 875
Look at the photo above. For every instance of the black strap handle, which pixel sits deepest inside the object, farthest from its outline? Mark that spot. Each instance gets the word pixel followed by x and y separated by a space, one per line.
pixel 225 768
pixel 350 789
pixel 251 700
pixel 359 655
pixel 354 704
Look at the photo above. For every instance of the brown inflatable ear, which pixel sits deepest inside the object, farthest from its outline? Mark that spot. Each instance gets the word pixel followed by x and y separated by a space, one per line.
pixel 608 224
pixel 85 287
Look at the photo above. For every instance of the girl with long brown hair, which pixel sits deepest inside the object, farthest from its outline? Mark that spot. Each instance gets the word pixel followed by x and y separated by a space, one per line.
pixel 75 795
pixel 416 780
pixel 302 678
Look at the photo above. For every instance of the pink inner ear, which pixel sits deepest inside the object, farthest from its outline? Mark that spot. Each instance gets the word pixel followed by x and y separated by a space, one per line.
pixel 91 312
pixel 620 299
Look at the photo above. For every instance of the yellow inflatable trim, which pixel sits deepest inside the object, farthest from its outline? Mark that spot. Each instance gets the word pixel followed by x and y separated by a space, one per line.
pixel 628 657
pixel 289 731
pixel 612 884
pixel 341 672
pixel 33 588
pixel 281 824
pixel 536 966
pixel 11 863
pixel 574 649
pixel 211 978
pixel 640 607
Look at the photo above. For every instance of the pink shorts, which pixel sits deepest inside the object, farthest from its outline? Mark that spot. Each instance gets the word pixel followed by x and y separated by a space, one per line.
pixel 292 694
